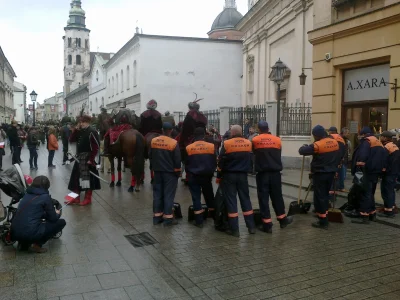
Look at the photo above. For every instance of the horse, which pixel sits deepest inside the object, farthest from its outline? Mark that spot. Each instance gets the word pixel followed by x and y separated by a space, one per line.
pixel 130 147
pixel 148 138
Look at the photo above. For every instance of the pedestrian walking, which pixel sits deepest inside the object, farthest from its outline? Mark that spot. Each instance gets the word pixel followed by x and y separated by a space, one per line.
pixel 3 137
pixel 370 157
pixel 324 165
pixel 200 164
pixel 388 183
pixel 165 160
pixel 267 150
pixel 15 142
pixel 23 136
pixel 88 145
pixel 65 134
pixel 234 162
pixel 52 146
pixel 32 143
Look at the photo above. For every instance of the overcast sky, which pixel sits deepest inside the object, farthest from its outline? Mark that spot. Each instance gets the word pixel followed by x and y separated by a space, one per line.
pixel 31 31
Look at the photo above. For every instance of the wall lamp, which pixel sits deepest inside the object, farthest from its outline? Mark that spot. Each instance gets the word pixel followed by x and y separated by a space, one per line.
pixel 395 87
pixel 303 76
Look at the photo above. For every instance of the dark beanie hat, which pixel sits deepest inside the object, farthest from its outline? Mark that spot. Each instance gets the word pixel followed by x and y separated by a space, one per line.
pixel 167 126
pixel 366 130
pixel 263 125
pixel 199 131
pixel 319 131
pixel 333 129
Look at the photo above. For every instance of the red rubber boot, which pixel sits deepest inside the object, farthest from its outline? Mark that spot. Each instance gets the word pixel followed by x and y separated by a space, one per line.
pixel 88 198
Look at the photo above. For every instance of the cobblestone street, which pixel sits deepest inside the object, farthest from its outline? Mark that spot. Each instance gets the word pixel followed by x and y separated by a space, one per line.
pixel 94 260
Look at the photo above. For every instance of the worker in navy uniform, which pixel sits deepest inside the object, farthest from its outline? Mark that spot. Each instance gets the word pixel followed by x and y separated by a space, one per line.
pixel 267 150
pixel 150 120
pixel 333 132
pixel 88 145
pixel 166 163
pixel 324 165
pixel 122 120
pixel 370 157
pixel 234 162
pixel 388 183
pixel 201 162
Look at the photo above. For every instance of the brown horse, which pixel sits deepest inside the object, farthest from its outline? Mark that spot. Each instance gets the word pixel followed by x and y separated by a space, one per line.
pixel 130 147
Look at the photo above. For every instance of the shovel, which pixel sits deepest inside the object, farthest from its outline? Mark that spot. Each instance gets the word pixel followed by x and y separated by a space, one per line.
pixel 334 214
pixel 300 206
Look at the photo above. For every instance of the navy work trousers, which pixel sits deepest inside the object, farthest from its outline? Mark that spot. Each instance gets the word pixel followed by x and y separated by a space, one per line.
pixel 367 203
pixel 198 184
pixel 237 184
pixel 164 189
pixel 322 183
pixel 388 184
pixel 269 184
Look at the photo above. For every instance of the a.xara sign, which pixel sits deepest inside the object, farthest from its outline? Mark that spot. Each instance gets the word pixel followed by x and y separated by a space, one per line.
pixel 363 84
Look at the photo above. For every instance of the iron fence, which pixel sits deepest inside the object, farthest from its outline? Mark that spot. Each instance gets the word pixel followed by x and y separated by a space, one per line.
pixel 182 116
pixel 296 120
pixel 213 117
pixel 239 115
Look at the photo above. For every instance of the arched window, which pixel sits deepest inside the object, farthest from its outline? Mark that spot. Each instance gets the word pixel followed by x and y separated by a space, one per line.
pixel 134 73
pixel 117 84
pixel 69 42
pixel 122 81
pixel 102 101
pixel 90 104
pixel 112 86
pixel 97 75
pixel 70 59
pixel 78 60
pixel 127 78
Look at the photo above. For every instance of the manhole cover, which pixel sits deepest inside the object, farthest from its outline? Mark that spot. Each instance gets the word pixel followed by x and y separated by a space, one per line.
pixel 141 239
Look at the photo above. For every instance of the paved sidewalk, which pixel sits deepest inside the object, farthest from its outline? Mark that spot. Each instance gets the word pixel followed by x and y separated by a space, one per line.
pixel 93 259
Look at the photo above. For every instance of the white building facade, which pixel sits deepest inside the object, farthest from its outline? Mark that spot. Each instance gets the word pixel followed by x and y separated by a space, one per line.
pixel 97 85
pixel 276 29
pixel 18 107
pixel 171 69
pixel 7 76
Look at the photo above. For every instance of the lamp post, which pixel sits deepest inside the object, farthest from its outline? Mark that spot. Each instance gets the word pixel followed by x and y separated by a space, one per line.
pixel 277 74
pixel 33 98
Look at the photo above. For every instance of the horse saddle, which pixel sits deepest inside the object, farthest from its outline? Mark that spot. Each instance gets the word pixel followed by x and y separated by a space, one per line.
pixel 116 132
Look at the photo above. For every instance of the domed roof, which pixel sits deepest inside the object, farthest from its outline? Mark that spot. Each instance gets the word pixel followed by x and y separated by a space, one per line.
pixel 227 19
pixel 77 11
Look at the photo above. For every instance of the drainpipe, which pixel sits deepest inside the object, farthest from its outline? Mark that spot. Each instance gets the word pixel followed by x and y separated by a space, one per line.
pixel 303 59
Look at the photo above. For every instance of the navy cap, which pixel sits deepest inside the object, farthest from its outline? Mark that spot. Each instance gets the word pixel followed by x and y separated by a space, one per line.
pixel 319 131
pixel 199 131
pixel 366 130
pixel 333 129
pixel 167 126
pixel 263 125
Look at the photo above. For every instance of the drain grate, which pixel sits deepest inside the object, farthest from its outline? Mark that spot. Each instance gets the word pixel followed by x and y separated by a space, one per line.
pixel 141 239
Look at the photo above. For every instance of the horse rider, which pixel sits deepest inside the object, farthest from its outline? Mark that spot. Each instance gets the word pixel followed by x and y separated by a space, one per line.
pixel 88 144
pixel 168 118
pixel 122 121
pixel 104 119
pixel 151 119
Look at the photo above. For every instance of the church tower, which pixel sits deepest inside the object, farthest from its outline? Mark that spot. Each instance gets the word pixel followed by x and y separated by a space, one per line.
pixel 76 48
pixel 224 25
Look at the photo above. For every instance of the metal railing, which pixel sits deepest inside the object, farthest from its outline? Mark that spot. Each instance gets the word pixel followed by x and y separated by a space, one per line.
pixel 239 115
pixel 212 117
pixel 296 120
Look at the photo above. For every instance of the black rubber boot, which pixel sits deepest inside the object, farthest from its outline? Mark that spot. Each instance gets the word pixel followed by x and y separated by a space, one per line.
pixel 252 230
pixel 234 233
pixel 322 223
pixel 372 217
pixel 286 221
pixel 387 214
pixel 364 220
pixel 266 228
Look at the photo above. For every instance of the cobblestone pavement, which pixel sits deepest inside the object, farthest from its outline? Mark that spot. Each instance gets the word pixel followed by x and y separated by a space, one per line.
pixel 93 259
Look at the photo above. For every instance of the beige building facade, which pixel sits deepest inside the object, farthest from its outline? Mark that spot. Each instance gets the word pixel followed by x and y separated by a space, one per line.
pixel 356 62
pixel 273 30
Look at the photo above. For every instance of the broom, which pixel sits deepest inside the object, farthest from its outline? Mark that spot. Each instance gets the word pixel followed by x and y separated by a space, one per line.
pixel 334 214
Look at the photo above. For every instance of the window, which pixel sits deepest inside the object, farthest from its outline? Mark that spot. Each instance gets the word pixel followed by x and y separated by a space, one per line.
pixel 122 81
pixel 127 78
pixel 78 60
pixel 102 101
pixel 87 44
pixel 69 42
pixel 90 104
pixel 112 86
pixel 97 75
pixel 78 43
pixel 70 59
pixel 134 73
pixel 116 83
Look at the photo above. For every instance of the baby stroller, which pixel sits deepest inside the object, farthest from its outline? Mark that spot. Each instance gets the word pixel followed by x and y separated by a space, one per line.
pixel 12 183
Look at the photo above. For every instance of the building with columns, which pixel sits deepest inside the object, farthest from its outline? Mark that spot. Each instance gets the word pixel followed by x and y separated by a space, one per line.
pixel 7 76
pixel 273 30
pixel 224 25
pixel 356 64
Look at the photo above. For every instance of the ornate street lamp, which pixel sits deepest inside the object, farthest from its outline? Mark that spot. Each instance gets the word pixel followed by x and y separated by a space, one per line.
pixel 277 76
pixel 303 76
pixel 33 98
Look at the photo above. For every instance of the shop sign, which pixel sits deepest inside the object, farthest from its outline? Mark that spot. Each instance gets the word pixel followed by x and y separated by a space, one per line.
pixel 366 84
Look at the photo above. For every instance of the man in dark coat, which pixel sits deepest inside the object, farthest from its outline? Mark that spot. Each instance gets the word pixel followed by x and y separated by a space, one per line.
pixel 151 119
pixel 65 133
pixel 15 142
pixel 82 178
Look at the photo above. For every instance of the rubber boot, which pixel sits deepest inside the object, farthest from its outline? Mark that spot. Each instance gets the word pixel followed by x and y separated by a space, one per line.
pixel 363 220
pixel 322 223
pixel 266 227
pixel 387 214
pixel 286 221
pixel 88 198
pixel 198 220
